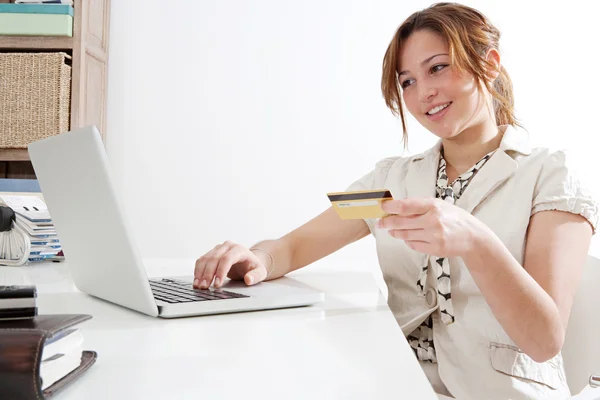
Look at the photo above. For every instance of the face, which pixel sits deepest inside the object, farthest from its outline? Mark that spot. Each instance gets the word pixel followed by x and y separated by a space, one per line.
pixel 440 98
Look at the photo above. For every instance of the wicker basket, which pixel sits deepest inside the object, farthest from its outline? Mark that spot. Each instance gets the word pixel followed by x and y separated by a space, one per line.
pixel 35 95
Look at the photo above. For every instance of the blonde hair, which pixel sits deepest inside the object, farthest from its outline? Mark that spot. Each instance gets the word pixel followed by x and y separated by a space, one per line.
pixel 470 35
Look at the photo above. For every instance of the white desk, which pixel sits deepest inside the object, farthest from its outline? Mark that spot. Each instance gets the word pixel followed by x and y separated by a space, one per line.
pixel 348 347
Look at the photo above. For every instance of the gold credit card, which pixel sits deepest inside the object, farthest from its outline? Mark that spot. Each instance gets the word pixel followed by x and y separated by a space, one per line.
pixel 362 204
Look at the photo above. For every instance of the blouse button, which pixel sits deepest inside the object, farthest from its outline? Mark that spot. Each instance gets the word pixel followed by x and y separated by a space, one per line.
pixel 431 297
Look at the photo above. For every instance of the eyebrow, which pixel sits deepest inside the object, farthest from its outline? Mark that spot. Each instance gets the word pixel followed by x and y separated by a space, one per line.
pixel 424 62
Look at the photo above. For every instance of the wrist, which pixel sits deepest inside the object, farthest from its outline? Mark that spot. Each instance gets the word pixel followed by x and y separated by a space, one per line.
pixel 266 257
pixel 478 241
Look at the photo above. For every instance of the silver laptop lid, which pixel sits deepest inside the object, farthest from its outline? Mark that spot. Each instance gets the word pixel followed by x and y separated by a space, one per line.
pixel 74 175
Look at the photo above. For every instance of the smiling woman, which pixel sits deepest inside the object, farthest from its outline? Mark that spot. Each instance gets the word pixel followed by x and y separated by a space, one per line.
pixel 508 279
pixel 483 243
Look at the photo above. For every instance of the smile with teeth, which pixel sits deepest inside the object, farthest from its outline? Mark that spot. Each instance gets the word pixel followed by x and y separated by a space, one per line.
pixel 437 109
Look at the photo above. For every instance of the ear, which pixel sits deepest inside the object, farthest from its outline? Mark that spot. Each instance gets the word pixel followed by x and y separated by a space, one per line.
pixel 493 57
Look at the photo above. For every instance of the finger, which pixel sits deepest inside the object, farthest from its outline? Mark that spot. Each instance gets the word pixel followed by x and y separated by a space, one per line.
pixel 410 235
pixel 421 247
pixel 406 207
pixel 255 275
pixel 236 254
pixel 206 270
pixel 394 221
pixel 201 262
pixel 199 269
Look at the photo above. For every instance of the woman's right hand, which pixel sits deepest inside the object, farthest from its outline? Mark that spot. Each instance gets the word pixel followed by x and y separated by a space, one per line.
pixel 228 260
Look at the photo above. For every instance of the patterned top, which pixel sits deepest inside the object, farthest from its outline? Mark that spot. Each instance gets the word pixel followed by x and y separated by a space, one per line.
pixel 421 340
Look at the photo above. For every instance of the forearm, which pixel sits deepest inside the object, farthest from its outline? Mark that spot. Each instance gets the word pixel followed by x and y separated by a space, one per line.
pixel 314 240
pixel 524 309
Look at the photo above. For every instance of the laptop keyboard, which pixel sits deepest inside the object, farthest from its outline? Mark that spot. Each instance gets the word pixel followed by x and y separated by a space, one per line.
pixel 174 291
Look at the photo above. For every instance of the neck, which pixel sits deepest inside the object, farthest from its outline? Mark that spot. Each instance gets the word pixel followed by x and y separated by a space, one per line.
pixel 467 148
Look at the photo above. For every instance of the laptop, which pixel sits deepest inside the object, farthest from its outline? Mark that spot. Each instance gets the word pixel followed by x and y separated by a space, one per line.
pixel 75 179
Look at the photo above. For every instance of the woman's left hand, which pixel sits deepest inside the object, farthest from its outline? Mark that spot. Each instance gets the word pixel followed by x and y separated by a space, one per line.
pixel 431 226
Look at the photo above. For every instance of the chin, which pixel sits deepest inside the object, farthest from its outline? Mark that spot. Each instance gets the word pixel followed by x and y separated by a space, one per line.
pixel 442 132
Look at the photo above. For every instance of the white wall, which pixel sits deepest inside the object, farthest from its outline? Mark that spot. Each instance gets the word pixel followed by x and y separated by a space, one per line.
pixel 232 119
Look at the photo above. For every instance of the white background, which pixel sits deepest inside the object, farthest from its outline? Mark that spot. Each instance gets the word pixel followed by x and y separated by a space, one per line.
pixel 232 119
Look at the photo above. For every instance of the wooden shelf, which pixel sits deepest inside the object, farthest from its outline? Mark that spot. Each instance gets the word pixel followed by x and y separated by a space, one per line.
pixel 36 43
pixel 14 155
pixel 88 49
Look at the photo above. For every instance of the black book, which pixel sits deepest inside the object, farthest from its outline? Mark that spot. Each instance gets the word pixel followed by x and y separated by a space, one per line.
pixel 18 292
pixel 18 301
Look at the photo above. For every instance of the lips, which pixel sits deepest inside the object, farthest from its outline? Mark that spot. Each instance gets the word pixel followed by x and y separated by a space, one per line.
pixel 441 109
pixel 435 109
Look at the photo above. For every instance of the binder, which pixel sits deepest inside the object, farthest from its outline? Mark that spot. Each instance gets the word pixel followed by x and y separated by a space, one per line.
pixel 36 24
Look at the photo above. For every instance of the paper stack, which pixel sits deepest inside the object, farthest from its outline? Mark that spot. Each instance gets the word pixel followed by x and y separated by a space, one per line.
pixel 33 237
pixel 61 355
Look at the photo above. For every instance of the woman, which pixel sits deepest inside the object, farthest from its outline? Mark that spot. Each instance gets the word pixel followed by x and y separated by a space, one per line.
pixel 485 241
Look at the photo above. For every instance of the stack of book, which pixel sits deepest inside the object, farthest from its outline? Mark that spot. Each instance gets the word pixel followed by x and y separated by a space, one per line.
pixel 18 301
pixel 32 236
pixel 37 18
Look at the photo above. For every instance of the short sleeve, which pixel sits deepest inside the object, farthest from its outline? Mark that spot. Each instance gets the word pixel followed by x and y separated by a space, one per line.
pixel 558 188
pixel 373 180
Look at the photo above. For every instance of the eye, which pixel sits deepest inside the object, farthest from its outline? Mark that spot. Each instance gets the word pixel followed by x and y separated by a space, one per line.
pixel 406 83
pixel 438 67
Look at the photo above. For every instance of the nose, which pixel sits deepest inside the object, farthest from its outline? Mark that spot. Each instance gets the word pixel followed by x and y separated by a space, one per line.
pixel 427 93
